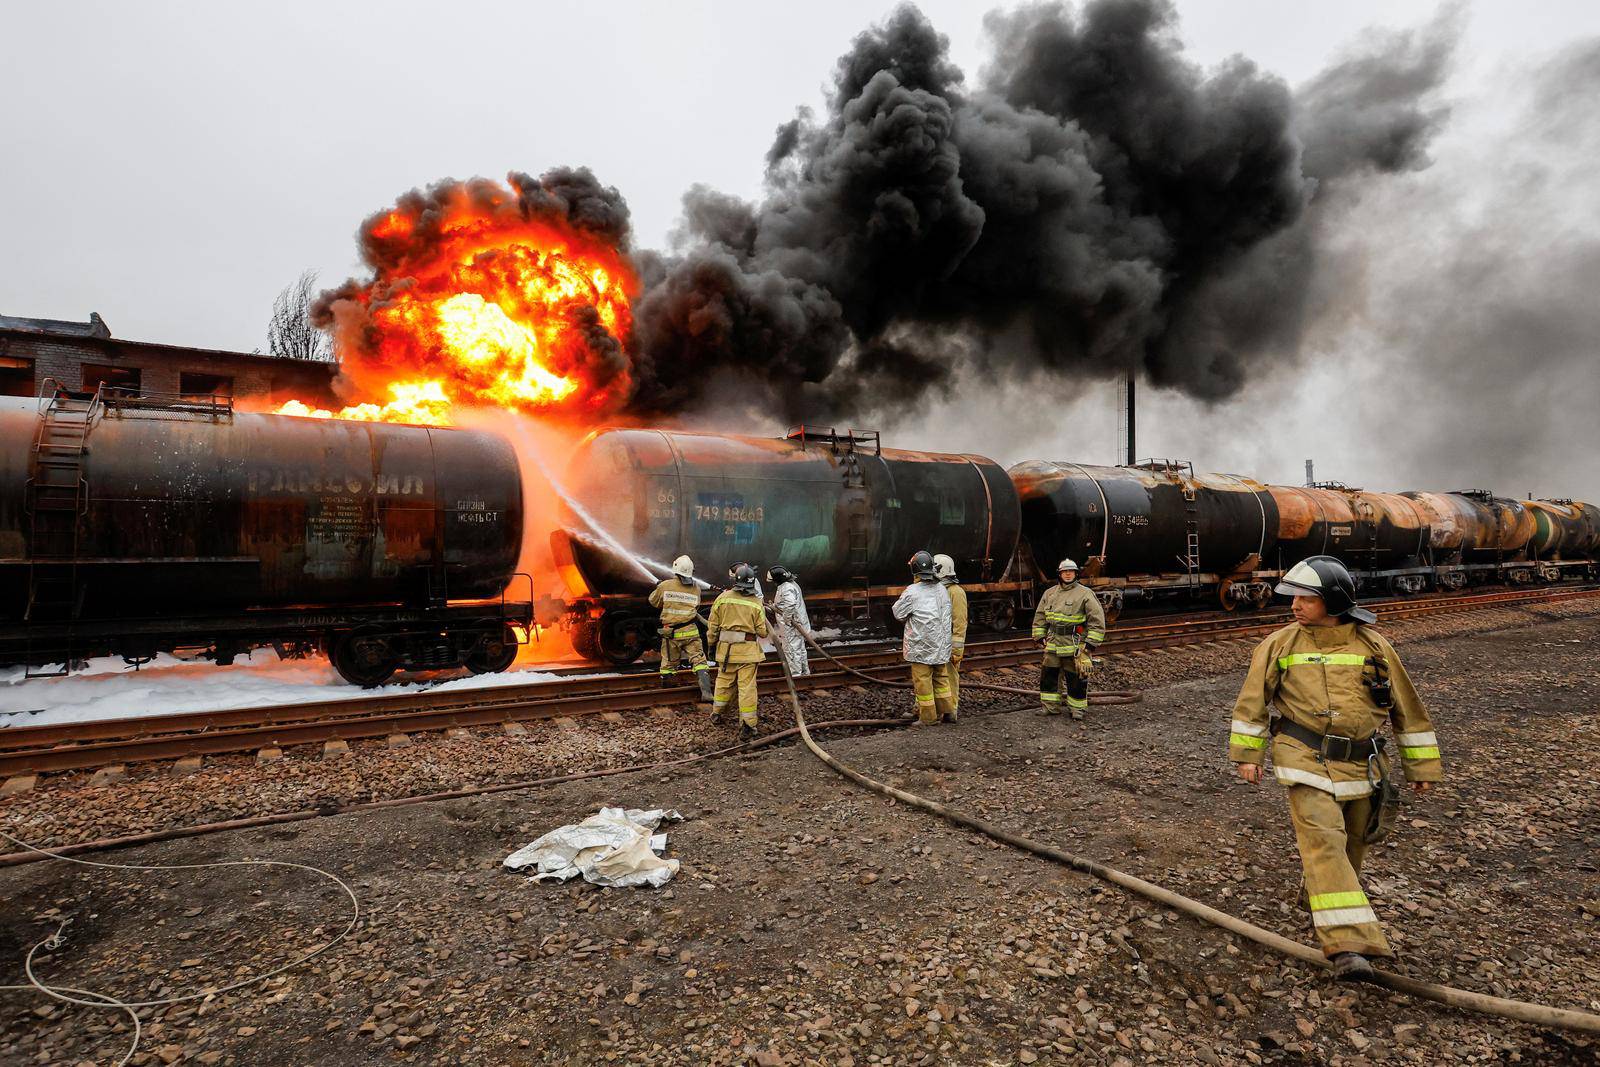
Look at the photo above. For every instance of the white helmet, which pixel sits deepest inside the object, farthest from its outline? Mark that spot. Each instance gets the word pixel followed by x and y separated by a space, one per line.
pixel 944 566
pixel 683 567
pixel 1066 565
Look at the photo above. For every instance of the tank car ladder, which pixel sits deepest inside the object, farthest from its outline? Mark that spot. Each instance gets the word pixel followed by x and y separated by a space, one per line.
pixel 1191 524
pixel 56 501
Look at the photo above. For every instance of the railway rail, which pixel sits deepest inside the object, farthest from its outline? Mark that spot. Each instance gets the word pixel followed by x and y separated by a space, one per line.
pixel 32 750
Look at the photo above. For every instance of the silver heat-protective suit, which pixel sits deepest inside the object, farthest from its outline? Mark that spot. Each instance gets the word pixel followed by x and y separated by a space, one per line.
pixel 925 608
pixel 789 608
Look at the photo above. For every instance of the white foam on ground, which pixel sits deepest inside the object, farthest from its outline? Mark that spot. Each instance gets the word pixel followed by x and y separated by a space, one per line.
pixel 110 689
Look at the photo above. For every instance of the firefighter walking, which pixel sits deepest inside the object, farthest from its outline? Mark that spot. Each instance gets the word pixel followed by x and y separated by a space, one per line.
pixel 925 609
pixel 678 599
pixel 1332 680
pixel 945 568
pixel 1070 622
pixel 738 622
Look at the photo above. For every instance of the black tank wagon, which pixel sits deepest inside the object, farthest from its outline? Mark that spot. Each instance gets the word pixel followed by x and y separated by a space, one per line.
pixel 133 525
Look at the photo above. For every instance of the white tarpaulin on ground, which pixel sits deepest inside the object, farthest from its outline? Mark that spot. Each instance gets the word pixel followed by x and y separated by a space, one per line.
pixel 613 847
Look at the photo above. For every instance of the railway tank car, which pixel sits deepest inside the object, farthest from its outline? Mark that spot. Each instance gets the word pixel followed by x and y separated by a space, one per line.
pixel 134 525
pixel 1385 535
pixel 838 509
pixel 1148 531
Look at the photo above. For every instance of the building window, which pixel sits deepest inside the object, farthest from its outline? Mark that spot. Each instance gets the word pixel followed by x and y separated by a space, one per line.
pixel 16 376
pixel 97 374
pixel 197 387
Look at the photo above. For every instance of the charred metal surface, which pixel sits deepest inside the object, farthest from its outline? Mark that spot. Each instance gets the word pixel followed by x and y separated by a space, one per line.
pixel 839 514
pixel 1475 526
pixel 184 513
pixel 1139 519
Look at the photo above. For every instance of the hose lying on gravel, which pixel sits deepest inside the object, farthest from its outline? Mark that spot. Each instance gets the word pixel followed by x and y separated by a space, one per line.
pixel 104 1000
pixel 1521 1011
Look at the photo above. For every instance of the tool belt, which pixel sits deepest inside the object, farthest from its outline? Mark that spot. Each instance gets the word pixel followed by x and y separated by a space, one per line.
pixel 1330 746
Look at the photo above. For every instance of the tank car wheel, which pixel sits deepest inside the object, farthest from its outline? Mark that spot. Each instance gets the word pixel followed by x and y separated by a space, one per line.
pixel 1224 599
pixel 1003 616
pixel 494 654
pixel 586 639
pixel 364 659
pixel 624 638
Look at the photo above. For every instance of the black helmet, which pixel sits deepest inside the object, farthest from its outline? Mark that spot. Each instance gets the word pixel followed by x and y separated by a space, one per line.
pixel 779 574
pixel 922 566
pixel 733 568
pixel 744 578
pixel 1329 579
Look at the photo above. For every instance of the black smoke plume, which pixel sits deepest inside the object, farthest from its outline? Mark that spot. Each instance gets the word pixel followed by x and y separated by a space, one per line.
pixel 1096 205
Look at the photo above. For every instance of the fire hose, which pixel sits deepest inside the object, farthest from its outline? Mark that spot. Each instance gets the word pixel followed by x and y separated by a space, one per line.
pixel 1518 1010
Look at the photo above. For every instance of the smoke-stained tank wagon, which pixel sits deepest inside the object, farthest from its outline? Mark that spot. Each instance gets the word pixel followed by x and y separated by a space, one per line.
pixel 135 525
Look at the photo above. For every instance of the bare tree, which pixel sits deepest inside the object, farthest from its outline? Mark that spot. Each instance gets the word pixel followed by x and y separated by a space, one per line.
pixel 290 333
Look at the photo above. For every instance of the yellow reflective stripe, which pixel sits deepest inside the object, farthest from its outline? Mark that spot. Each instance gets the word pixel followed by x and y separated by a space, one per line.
pixel 1038 631
pixel 1353 898
pixel 686 632
pixel 1096 636
pixel 1050 698
pixel 1421 740
pixel 1077 702
pixel 942 691
pixel 1245 741
pixel 1334 659
pixel 702 666
pixel 1425 752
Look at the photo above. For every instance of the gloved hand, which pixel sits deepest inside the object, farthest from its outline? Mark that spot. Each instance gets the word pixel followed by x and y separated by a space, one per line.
pixel 1084 661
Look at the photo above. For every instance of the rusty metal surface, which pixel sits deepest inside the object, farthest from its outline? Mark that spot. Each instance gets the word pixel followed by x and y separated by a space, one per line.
pixel 1367 530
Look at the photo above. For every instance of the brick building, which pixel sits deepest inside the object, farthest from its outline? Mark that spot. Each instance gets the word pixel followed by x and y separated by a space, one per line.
pixel 81 355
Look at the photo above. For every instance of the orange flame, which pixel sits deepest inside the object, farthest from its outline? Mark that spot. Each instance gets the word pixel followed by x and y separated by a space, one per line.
pixel 481 304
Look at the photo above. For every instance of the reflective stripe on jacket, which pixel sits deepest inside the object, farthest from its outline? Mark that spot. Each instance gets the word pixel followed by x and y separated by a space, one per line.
pixel 1066 615
pixel 677 601
pixel 1315 676
pixel 736 613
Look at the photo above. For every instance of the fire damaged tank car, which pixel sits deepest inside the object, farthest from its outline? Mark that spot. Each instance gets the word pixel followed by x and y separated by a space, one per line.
pixel 131 525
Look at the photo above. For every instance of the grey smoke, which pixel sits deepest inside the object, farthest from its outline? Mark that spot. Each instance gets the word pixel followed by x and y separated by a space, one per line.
pixel 1097 204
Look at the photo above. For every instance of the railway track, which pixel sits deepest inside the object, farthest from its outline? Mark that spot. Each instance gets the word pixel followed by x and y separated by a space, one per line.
pixel 32 750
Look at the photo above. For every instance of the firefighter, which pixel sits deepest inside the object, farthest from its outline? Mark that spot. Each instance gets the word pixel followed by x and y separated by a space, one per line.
pixel 738 622
pixel 678 599
pixel 733 573
pixel 1071 624
pixel 925 609
pixel 945 568
pixel 794 623
pixel 1332 680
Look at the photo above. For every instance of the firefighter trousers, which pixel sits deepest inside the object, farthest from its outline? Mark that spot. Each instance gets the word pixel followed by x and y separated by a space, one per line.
pixel 736 679
pixel 1058 673
pixel 935 699
pixel 955 681
pixel 1331 833
pixel 681 644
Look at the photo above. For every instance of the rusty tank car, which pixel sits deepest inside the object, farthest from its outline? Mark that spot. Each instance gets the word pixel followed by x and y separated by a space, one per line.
pixel 132 525
pixel 838 509
pixel 1154 530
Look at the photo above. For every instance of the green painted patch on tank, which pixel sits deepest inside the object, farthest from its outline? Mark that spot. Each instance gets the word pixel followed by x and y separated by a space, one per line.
pixel 800 552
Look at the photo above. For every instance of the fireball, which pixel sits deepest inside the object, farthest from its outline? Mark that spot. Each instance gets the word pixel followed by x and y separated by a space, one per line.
pixel 482 295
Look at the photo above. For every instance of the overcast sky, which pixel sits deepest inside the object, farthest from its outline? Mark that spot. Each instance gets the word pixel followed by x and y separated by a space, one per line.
pixel 173 166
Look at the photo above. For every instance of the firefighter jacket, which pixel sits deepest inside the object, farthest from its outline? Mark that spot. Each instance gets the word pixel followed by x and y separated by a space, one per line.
pixel 958 615
pixel 677 600
pixel 794 623
pixel 1066 615
pixel 925 609
pixel 737 621
pixel 1317 677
